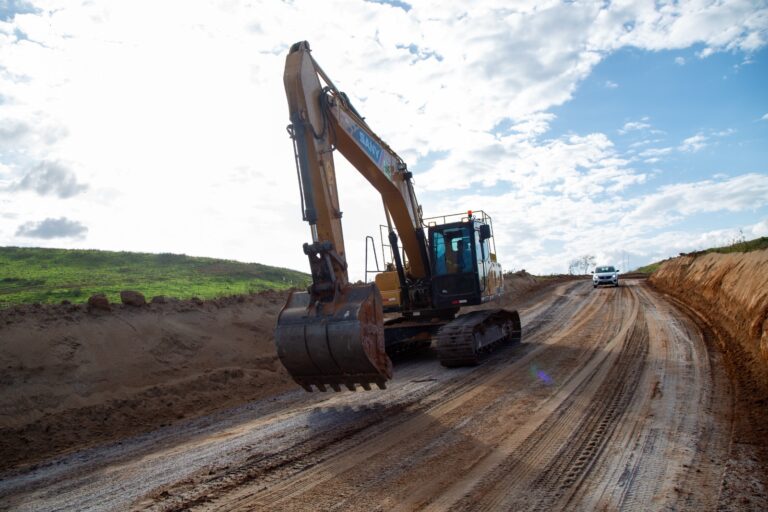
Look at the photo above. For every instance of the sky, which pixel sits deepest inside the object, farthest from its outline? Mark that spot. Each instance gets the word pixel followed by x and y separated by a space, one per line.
pixel 631 131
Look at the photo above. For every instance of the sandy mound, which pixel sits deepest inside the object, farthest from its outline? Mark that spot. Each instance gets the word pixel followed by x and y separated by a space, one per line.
pixel 732 291
pixel 518 282
pixel 72 378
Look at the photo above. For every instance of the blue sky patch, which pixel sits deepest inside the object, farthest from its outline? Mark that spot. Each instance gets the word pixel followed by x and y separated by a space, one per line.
pixel 10 8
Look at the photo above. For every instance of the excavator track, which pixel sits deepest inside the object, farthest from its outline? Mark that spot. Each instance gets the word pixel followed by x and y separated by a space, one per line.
pixel 463 341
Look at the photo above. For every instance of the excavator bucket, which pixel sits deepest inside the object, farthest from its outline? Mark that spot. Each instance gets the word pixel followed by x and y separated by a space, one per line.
pixel 334 344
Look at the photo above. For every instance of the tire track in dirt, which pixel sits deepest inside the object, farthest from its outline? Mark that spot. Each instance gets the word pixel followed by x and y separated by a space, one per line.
pixel 180 464
pixel 393 462
pixel 509 473
pixel 572 465
pixel 436 396
pixel 632 449
pixel 675 434
pixel 612 402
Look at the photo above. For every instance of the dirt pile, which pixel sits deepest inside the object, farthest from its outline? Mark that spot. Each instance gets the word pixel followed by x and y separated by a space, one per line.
pixel 520 281
pixel 72 378
pixel 732 291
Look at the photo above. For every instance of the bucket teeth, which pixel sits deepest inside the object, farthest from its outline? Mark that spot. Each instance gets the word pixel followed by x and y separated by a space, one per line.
pixel 350 384
pixel 334 344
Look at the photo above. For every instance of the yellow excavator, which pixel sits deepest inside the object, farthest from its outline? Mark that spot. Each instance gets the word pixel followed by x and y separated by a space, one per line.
pixel 338 334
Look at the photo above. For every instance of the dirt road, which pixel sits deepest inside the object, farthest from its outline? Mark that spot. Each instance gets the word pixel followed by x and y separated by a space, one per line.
pixel 613 401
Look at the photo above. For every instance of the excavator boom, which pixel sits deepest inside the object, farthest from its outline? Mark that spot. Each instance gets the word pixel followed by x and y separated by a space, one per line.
pixel 333 334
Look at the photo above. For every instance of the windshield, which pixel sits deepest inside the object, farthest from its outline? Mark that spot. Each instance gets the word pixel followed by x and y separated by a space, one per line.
pixel 452 251
pixel 600 270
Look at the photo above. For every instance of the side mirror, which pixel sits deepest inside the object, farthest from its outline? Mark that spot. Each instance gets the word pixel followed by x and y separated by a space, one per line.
pixel 617 271
pixel 485 232
pixel 592 272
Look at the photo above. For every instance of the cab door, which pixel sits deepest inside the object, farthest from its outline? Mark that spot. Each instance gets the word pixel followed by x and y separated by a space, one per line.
pixel 455 277
pixel 481 253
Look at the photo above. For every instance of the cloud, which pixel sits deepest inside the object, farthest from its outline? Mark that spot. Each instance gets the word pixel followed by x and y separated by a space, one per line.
pixel 719 26
pixel 676 241
pixel 51 178
pixel 610 85
pixel 765 117
pixel 52 228
pixel 699 141
pixel 643 142
pixel 572 165
pixel 634 126
pixel 673 202
pixel 656 152
pixel 759 229
pixel 200 142
pixel 680 61
pixel 394 3
pixel 694 144
pixel 587 224
pixel 12 130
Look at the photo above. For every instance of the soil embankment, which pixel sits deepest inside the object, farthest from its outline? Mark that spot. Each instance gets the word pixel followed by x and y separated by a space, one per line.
pixel 731 290
pixel 728 294
pixel 73 378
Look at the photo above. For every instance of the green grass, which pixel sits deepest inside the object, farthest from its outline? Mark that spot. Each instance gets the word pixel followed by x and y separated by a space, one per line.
pixel 648 269
pixel 51 275
pixel 741 246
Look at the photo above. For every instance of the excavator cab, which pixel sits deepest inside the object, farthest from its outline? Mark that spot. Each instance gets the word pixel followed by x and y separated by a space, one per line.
pixel 464 270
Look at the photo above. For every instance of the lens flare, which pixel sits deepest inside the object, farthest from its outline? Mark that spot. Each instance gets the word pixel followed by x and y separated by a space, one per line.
pixel 541 375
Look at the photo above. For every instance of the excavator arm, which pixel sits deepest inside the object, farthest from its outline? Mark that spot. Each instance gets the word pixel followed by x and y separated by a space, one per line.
pixel 323 120
pixel 333 333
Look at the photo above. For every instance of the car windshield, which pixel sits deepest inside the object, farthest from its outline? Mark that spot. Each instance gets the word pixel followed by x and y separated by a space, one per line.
pixel 604 269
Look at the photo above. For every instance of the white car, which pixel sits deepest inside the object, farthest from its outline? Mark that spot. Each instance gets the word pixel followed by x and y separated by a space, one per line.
pixel 605 275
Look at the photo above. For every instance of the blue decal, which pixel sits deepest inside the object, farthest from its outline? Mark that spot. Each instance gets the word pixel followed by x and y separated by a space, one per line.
pixel 370 146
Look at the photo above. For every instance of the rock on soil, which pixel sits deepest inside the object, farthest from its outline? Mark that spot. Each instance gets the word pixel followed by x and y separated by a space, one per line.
pixel 99 302
pixel 132 298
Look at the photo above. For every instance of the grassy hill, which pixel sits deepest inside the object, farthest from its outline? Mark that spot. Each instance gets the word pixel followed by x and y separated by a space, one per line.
pixel 741 246
pixel 52 275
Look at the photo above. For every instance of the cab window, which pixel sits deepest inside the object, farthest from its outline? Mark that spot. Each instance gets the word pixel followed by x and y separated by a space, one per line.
pixel 452 251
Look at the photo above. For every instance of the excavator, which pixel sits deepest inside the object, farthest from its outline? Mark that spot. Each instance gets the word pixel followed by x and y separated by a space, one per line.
pixel 341 334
